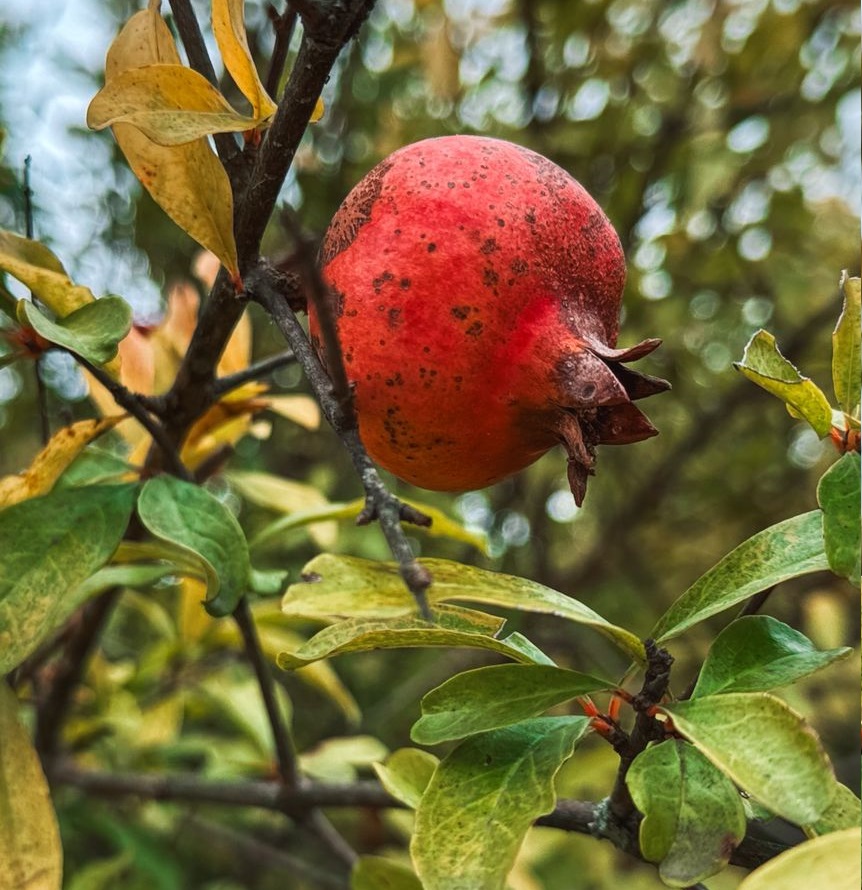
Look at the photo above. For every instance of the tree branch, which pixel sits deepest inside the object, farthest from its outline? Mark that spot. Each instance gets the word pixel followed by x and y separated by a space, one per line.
pixel 579 816
pixel 283 26
pixel 263 368
pixel 285 749
pixel 193 41
pixel 192 392
pixel 380 503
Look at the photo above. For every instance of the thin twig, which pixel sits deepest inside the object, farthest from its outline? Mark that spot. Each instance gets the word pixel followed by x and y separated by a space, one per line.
pixel 263 368
pixel 134 404
pixel 190 32
pixel 283 26
pixel 381 504
pixel 284 747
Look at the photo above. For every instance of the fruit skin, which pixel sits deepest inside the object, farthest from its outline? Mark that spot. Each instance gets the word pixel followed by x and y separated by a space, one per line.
pixel 476 288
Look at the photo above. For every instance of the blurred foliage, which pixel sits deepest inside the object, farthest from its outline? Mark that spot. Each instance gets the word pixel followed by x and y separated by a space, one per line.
pixel 719 138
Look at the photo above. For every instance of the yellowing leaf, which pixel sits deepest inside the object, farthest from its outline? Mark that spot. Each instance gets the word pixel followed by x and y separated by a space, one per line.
pixel 187 181
pixel 302 410
pixel 52 460
pixel 229 31
pixel 224 424
pixel 36 267
pixel 170 104
pixel 317 114
pixel 30 850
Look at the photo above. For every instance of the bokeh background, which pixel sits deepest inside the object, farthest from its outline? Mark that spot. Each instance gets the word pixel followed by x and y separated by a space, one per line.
pixel 723 141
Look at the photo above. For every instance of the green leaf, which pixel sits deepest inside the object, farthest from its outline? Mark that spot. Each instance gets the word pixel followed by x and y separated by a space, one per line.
pixel 831 861
pixel 496 696
pixel 453 626
pixel 693 815
pixel 351 587
pixel 376 873
pixel 757 653
pixel 405 774
pixel 764 747
pixel 30 848
pixel 94 331
pixel 484 797
pixel 845 811
pixel 94 466
pixel 189 517
pixel 847 347
pixel 838 494
pixel 763 363
pixel 337 759
pixel 51 545
pixel 791 548
pixel 122 576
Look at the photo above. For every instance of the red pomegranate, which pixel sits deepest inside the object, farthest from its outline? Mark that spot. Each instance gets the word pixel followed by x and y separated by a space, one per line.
pixel 476 287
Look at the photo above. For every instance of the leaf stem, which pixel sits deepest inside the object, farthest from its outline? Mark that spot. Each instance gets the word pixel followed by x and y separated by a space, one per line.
pixel 253 372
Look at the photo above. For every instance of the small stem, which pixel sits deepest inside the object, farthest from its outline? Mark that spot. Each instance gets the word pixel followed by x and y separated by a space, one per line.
pixel 193 41
pixel 381 504
pixel 646 729
pixel 284 746
pixel 283 25
pixel 133 404
pixel 254 372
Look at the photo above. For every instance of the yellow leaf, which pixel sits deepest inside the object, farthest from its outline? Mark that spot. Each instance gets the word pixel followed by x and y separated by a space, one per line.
pixel 229 31
pixel 193 620
pixel 30 848
pixel 65 445
pixel 187 181
pixel 303 410
pixel 317 114
pixel 37 268
pixel 222 425
pixel 237 353
pixel 170 104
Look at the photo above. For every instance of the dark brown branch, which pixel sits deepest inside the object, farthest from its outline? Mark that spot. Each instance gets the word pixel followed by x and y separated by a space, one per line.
pixel 192 391
pixel 193 41
pixel 64 676
pixel 583 817
pixel 263 368
pixel 380 503
pixel 135 405
pixel 285 750
pixel 283 26
pixel 646 729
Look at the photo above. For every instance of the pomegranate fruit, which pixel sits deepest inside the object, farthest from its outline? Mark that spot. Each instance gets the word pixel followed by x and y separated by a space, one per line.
pixel 476 289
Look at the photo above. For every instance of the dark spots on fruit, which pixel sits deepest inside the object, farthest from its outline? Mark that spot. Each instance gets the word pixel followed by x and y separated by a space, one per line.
pixel 530 216
pixel 377 283
pixel 393 318
pixel 460 312
pixel 354 214
pixel 489 277
pixel 348 357
pixel 426 349
pixel 404 284
pixel 395 380
pixel 519 266
pixel 501 222
pixel 465 185
pixel 398 231
pixel 475 329
pixel 450 185
pixel 458 378
pixel 432 247
pixel 381 342
pixel 351 313
pixel 489 245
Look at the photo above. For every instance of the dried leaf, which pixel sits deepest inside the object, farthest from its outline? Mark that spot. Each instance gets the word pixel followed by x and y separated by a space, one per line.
pixel 188 182
pixel 65 445
pixel 38 269
pixel 229 31
pixel 170 104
